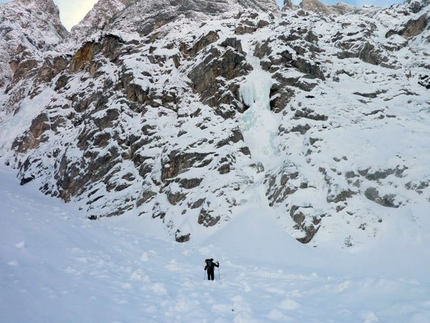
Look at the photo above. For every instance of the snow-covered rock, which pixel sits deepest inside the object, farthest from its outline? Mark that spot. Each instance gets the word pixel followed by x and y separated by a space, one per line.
pixel 98 18
pixel 315 5
pixel 191 112
pixel 29 30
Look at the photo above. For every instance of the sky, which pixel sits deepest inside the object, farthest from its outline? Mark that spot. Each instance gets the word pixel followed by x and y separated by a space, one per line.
pixel 71 12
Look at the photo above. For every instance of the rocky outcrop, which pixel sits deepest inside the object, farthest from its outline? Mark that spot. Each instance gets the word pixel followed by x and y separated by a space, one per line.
pixel 98 18
pixel 413 27
pixel 216 71
pixel 288 4
pixel 28 28
pixel 316 6
pixel 156 14
pixel 341 8
pixel 416 6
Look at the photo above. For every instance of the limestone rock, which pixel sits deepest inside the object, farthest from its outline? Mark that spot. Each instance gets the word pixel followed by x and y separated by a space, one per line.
pixel 316 6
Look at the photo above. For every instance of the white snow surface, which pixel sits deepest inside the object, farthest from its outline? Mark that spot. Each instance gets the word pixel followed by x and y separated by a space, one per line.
pixel 57 266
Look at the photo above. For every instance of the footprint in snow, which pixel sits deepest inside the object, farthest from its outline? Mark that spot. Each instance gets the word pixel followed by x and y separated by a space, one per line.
pixel 20 245
pixel 159 289
pixel 289 305
pixel 277 316
pixel 173 266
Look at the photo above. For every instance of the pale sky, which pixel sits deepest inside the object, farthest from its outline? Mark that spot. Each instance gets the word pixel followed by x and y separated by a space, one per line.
pixel 72 11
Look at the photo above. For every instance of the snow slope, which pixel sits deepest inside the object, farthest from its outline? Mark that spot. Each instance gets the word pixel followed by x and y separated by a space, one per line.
pixel 57 266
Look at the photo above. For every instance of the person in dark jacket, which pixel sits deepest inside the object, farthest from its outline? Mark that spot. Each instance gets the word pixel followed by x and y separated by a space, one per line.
pixel 210 268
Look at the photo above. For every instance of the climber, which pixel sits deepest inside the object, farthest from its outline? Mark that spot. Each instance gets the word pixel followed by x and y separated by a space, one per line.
pixel 210 267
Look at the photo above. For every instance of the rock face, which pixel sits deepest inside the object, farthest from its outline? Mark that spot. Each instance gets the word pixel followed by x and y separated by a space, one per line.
pixel 155 14
pixel 99 18
pixel 27 28
pixel 188 111
pixel 288 4
pixel 315 5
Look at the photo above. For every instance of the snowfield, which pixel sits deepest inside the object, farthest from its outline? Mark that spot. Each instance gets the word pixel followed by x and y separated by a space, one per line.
pixel 57 266
pixel 349 141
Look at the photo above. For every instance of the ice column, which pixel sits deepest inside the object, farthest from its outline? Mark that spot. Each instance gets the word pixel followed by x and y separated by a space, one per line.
pixel 258 124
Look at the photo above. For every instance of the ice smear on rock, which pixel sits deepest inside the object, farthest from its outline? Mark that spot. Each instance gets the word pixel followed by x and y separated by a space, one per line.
pixel 258 124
